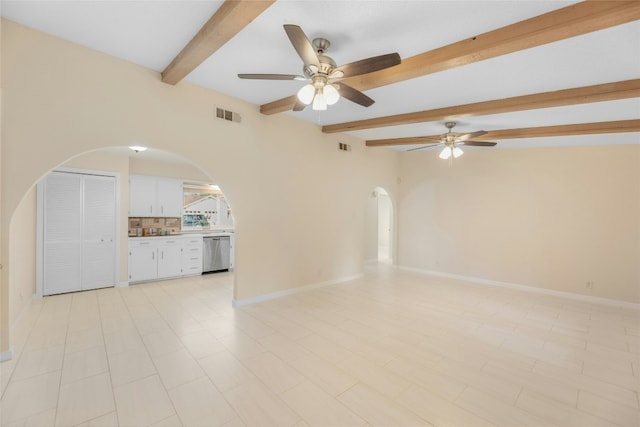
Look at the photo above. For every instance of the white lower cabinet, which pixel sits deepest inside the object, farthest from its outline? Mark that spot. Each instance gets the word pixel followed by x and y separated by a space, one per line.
pixel 169 259
pixel 143 261
pixel 154 258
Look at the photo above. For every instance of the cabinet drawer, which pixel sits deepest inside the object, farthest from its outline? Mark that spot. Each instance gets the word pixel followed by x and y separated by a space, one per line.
pixel 142 243
pixel 169 242
pixel 194 241
pixel 193 259
pixel 193 250
pixel 192 269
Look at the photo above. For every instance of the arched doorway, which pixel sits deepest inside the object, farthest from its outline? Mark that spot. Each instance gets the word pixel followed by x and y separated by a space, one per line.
pixel 379 228
pixel 121 161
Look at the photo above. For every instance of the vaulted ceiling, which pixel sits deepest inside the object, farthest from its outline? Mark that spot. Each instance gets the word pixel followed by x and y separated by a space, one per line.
pixel 531 73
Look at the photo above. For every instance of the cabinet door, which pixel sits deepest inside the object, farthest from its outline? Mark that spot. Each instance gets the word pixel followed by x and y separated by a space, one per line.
pixel 143 262
pixel 99 260
pixel 62 270
pixel 142 196
pixel 170 197
pixel 170 259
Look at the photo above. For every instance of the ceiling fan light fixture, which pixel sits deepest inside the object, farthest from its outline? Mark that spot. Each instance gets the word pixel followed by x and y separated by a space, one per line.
pixel 306 94
pixel 319 101
pixel 331 94
pixel 445 153
pixel 457 152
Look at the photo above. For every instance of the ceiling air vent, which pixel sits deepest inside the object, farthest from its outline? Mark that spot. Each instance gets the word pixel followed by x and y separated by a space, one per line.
pixel 230 116
pixel 344 147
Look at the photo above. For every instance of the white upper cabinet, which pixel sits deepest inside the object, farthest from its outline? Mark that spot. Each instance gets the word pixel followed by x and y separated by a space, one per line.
pixel 142 196
pixel 170 197
pixel 151 196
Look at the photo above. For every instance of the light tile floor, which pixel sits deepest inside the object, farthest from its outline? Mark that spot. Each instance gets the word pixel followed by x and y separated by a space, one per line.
pixel 390 349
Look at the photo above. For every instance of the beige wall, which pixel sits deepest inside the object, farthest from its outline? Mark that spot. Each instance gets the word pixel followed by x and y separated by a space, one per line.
pixel 298 201
pixel 23 249
pixel 4 288
pixel 138 165
pixel 552 218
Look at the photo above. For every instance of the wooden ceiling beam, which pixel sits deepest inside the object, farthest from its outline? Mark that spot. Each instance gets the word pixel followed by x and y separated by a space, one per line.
pixel 535 132
pixel 577 19
pixel 230 18
pixel 558 98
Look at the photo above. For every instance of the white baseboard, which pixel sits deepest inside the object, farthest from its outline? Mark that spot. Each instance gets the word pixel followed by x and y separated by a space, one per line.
pixel 6 355
pixel 122 284
pixel 286 292
pixel 525 288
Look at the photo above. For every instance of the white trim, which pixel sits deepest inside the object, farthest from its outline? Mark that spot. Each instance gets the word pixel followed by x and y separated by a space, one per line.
pixel 122 284
pixel 6 355
pixel 525 288
pixel 286 292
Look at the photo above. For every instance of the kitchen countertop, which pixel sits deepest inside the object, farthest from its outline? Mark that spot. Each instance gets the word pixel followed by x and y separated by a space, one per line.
pixel 189 233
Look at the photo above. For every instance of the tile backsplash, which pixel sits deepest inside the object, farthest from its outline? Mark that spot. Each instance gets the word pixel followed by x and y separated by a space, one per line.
pixel 153 226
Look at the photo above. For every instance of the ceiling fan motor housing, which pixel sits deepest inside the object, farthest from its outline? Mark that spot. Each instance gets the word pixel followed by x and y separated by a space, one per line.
pixel 325 66
pixel 321 45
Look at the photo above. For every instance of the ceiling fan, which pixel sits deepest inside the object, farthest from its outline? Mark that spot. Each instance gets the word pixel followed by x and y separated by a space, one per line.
pixel 451 140
pixel 324 74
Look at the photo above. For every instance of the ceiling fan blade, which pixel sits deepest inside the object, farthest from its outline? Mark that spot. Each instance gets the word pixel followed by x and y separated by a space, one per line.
pixel 271 76
pixel 299 106
pixel 468 136
pixel 480 143
pixel 302 45
pixel 426 146
pixel 354 95
pixel 369 65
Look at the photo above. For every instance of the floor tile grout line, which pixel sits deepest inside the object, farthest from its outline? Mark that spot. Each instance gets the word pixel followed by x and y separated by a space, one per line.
pixel 154 366
pixel 20 353
pixel 64 355
pixel 104 343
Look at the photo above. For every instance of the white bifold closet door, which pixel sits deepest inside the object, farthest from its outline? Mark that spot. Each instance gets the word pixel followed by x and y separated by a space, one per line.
pixel 79 232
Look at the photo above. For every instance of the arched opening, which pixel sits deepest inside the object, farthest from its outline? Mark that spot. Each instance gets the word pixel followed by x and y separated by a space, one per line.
pixel 379 228
pixel 120 161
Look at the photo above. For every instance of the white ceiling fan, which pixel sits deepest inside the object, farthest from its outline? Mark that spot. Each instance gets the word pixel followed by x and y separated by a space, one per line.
pixel 324 75
pixel 452 140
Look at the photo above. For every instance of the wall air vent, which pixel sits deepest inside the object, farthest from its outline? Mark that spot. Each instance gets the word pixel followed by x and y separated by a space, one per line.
pixel 344 147
pixel 230 116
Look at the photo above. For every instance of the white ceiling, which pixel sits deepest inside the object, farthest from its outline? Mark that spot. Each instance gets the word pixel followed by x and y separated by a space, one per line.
pixel 152 33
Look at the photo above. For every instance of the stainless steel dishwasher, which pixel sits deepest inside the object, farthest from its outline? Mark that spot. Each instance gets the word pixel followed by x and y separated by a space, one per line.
pixel 215 253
